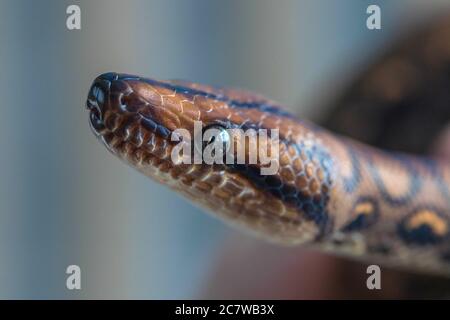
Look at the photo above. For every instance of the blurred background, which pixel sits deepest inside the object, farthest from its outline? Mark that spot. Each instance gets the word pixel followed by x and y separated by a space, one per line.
pixel 65 200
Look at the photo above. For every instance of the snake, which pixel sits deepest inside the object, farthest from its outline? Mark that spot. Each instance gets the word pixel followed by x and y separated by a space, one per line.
pixel 371 199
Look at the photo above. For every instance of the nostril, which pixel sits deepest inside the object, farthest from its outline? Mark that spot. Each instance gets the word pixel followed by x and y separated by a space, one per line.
pixel 96 103
pixel 99 90
pixel 96 118
pixel 98 94
pixel 98 100
pixel 95 115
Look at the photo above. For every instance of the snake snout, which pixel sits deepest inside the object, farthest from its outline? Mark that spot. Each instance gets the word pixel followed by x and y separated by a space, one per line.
pixel 97 99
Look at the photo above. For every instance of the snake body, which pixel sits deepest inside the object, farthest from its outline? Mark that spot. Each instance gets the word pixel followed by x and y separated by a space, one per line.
pixel 330 192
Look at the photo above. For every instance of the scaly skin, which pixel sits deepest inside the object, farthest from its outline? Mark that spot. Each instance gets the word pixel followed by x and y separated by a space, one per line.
pixel 329 192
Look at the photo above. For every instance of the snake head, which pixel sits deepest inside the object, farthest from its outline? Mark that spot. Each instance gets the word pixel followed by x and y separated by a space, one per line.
pixel 137 118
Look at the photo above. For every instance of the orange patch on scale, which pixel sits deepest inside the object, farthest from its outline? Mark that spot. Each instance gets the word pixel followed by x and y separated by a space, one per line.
pixel 430 219
pixel 364 208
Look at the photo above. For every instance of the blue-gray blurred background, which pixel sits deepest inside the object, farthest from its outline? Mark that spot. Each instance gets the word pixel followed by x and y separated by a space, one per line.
pixel 65 200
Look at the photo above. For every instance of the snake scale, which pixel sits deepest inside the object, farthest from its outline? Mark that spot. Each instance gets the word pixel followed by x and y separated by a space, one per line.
pixel 330 192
